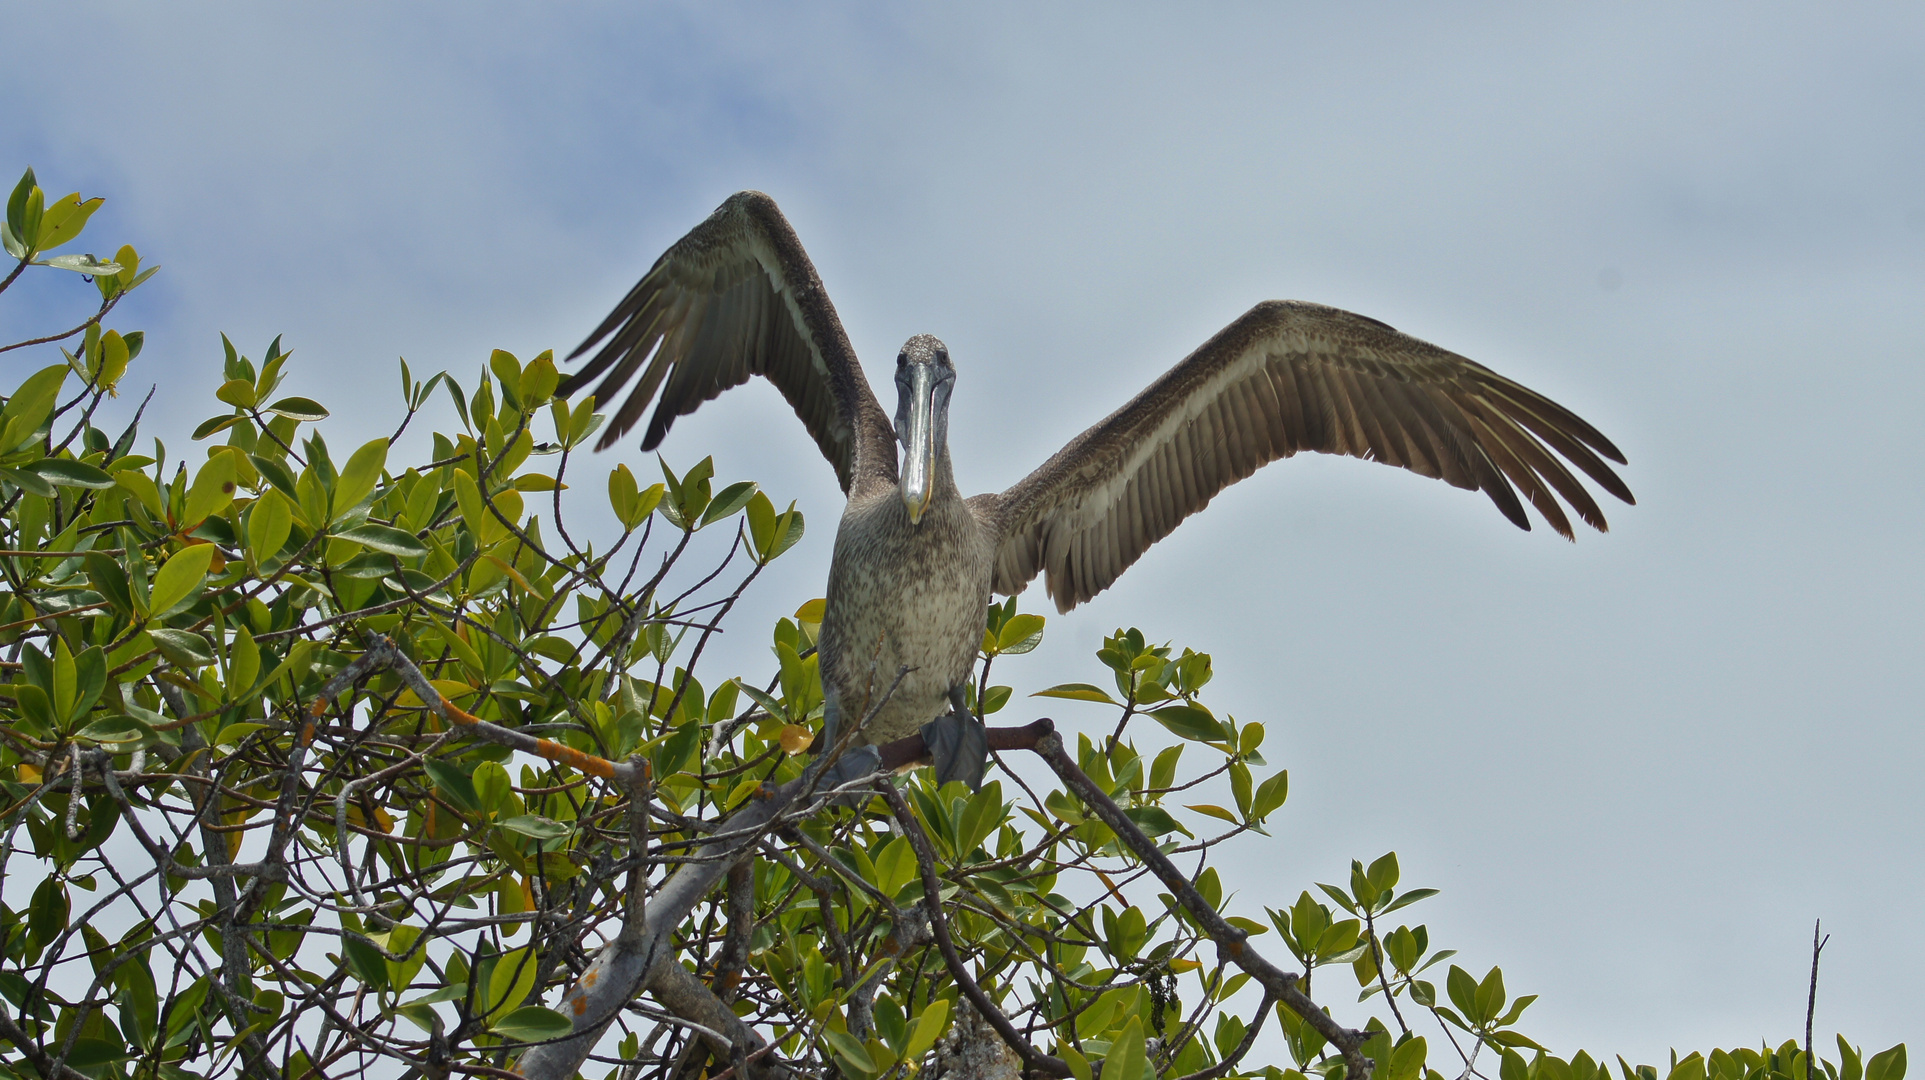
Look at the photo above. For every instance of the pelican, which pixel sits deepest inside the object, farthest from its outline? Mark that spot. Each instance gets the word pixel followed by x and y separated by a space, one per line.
pixel 915 562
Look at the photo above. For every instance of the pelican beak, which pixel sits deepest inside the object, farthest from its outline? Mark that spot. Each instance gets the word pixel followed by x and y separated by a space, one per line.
pixel 919 443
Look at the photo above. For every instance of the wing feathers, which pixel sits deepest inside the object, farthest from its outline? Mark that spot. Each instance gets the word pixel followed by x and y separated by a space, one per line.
pixel 738 297
pixel 1288 377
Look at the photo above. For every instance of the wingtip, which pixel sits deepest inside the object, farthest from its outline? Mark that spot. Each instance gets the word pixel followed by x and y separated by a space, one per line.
pixel 658 426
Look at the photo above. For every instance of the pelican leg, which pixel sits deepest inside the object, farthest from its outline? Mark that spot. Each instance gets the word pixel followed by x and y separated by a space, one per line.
pixel 959 743
pixel 855 763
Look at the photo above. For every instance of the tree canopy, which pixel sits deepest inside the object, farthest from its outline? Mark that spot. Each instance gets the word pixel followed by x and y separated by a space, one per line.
pixel 317 762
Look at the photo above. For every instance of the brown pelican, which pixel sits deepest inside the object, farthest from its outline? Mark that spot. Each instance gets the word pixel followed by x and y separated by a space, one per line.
pixel 915 562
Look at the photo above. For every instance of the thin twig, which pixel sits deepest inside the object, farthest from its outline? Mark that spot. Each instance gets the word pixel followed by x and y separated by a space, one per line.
pixel 1811 999
pixel 98 315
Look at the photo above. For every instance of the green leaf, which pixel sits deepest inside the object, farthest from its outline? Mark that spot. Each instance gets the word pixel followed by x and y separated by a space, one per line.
pixel 243 664
pixel 1192 722
pixel 1154 820
pixel 110 578
pixel 365 960
pixel 1463 993
pixel 454 785
pixel 386 539
pixel 23 214
pixel 979 817
pixel 761 517
pixel 182 648
pixel 512 457
pixel 1490 995
pixel 117 729
pixel 214 425
pixel 93 1054
pixel 731 499
pixel 1514 1038
pixel 538 380
pixel 1020 634
pixel 507 371
pixel 1270 795
pixel 1691 1067
pixel 1127 1058
pixel 238 393
pixel 1215 811
pixel 896 866
pixel 622 494
pixel 181 577
pixel 850 1050
pixel 82 264
pixel 276 472
pixel 1411 897
pixel 298 408
pixel 511 980
pixel 30 406
pixel 1077 691
pixel 540 828
pixel 138 1000
pixel 462 650
pixel 583 421
pixel 66 472
pixel 771 533
pixel 401 942
pixel 769 704
pixel 359 476
pixel 268 525
pixel 929 1028
pixel 995 698
pixel 468 498
pixel 494 791
pixel 232 734
pixel 1240 786
pixel 532 1024
pixel 28 482
pixel 420 1015
pixel 213 489
pixel 63 220
pixel 1887 1064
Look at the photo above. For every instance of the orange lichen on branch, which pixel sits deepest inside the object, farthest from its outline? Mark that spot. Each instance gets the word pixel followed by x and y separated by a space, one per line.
pixel 568 755
pixel 545 748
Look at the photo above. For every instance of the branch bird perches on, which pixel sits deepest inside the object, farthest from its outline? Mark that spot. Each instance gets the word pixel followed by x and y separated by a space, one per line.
pixel 915 562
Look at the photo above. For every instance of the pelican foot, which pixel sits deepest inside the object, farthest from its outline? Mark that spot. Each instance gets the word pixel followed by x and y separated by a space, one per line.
pixel 960 746
pixel 855 763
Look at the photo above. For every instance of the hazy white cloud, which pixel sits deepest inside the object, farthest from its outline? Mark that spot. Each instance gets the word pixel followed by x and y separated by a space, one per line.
pixel 1638 765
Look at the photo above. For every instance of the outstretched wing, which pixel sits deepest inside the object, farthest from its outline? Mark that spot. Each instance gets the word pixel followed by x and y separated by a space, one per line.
pixel 1285 377
pixel 738 297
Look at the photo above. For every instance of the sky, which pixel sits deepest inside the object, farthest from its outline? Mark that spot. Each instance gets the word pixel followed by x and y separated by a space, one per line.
pixel 1638 766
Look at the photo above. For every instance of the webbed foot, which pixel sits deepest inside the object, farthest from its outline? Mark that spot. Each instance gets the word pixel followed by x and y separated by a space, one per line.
pixel 854 764
pixel 959 744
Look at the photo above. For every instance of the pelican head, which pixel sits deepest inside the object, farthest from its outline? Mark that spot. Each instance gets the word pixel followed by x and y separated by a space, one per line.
pixel 924 378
